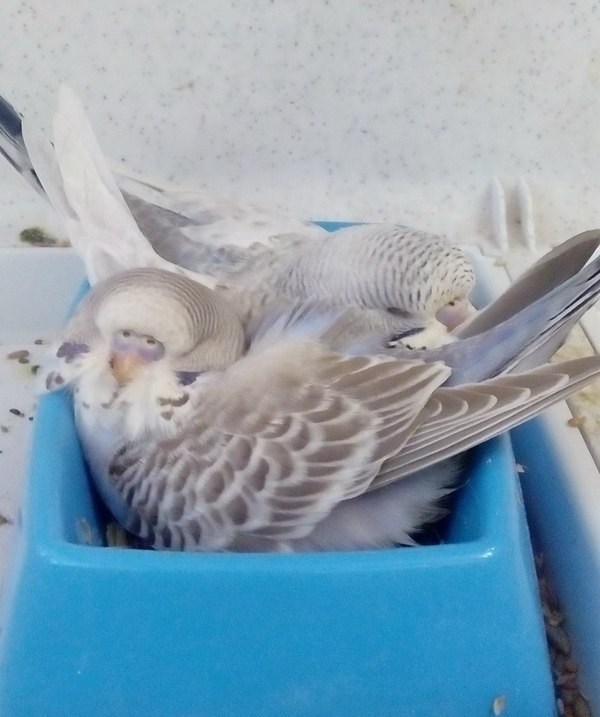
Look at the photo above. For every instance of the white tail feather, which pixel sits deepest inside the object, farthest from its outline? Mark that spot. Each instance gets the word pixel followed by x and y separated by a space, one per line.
pixel 81 187
pixel 102 229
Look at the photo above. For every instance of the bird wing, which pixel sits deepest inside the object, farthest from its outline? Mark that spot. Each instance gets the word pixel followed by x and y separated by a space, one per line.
pixel 458 418
pixel 206 233
pixel 79 184
pixel 270 455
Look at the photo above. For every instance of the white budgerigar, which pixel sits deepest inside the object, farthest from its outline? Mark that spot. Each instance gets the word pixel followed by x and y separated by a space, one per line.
pixel 197 441
pixel 404 279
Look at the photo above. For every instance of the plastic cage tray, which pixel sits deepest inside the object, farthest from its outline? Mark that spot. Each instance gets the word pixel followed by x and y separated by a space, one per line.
pixel 453 628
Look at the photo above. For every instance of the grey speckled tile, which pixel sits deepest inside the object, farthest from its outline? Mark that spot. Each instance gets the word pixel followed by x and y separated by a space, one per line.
pixel 373 111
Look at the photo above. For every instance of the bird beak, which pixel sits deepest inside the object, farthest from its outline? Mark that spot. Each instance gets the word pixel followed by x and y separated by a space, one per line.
pixel 453 316
pixel 124 366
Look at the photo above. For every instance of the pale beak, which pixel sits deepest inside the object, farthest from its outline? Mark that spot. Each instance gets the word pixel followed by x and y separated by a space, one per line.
pixel 124 367
pixel 453 316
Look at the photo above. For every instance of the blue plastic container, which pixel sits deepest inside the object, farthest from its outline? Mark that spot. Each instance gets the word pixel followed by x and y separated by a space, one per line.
pixel 448 629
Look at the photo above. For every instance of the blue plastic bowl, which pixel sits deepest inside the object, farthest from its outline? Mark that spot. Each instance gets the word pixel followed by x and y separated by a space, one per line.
pixel 448 629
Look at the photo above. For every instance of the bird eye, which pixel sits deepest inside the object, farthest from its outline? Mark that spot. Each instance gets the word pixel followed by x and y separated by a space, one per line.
pixel 126 334
pixel 452 303
pixel 151 349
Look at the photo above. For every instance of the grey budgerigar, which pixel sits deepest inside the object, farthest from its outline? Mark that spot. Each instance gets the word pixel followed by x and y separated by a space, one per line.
pixel 199 439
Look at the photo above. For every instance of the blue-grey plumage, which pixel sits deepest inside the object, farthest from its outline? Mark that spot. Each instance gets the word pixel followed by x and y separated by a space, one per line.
pixel 199 441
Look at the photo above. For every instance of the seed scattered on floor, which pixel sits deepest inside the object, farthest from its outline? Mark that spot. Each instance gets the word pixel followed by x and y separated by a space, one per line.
pixel 21 355
pixel 35 369
pixel 553 617
pixel 568 680
pixel 571 665
pixel 39 342
pixel 558 639
pixel 4 429
pixel 84 531
pixel 3 519
pixel 569 700
pixel 576 422
pixel 36 236
pixel 116 535
pixel 580 707
pixel 16 412
pixel 499 705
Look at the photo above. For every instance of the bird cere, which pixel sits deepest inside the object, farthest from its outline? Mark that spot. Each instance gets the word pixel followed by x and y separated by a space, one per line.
pixel 245 382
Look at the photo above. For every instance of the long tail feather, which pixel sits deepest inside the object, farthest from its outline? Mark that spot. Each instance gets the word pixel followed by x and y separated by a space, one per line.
pixel 12 146
pixel 547 385
pixel 527 338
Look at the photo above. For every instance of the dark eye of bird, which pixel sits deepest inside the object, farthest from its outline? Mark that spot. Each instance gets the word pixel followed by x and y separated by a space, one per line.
pixel 126 334
pixel 150 341
pixel 451 303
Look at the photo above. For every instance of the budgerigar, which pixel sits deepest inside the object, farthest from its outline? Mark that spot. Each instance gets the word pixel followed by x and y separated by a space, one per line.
pixel 399 296
pixel 404 279
pixel 197 441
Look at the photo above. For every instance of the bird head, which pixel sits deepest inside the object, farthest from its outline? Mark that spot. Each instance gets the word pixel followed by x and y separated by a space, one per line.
pixel 131 351
pixel 141 339
pixel 147 316
pixel 421 280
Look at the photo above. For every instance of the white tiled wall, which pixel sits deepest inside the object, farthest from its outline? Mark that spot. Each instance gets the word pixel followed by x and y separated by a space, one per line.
pixel 382 110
